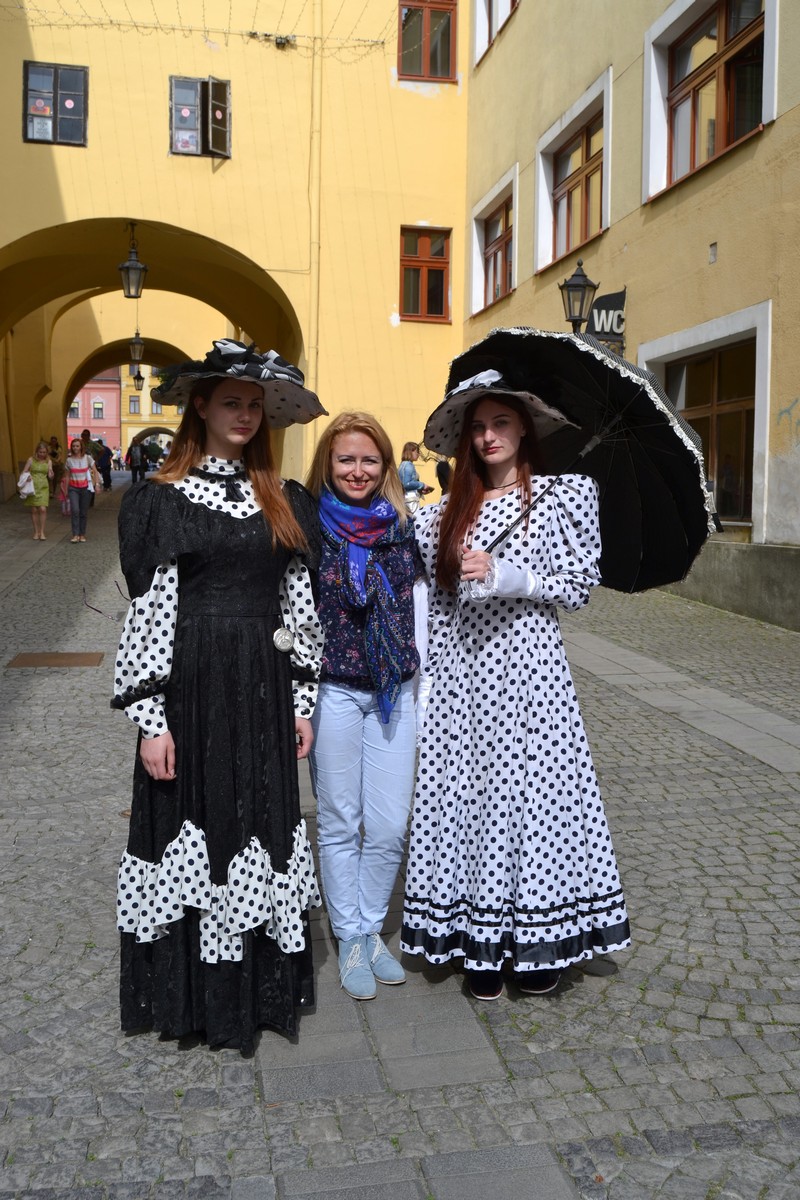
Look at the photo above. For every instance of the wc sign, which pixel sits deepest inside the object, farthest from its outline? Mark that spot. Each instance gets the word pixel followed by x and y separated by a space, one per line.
pixel 607 320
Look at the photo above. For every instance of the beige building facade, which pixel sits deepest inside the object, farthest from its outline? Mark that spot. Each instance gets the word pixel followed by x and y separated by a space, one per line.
pixel 660 144
pixel 370 188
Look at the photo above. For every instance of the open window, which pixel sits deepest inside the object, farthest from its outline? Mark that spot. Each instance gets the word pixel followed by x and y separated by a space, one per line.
pixel 200 116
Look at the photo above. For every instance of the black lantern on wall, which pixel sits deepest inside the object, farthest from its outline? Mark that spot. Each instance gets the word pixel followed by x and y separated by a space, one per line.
pixel 577 295
pixel 133 271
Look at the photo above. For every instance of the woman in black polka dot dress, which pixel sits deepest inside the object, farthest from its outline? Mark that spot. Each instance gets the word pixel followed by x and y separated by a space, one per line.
pixel 217 667
pixel 510 856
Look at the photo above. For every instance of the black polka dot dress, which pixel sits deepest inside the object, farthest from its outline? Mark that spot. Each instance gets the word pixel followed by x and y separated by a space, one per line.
pixel 218 877
pixel 510 855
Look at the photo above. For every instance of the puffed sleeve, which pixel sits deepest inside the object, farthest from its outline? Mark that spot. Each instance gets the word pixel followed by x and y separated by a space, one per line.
pixel 574 553
pixel 439 605
pixel 152 533
pixel 144 658
pixel 298 594
pixel 299 614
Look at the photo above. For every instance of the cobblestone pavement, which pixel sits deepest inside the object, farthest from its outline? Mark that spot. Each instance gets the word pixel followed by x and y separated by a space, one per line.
pixel 673 1073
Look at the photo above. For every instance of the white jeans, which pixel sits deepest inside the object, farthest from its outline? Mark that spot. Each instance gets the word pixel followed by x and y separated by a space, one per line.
pixel 363 775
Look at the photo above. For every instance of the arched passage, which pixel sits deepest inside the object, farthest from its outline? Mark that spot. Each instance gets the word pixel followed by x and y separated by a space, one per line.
pixel 47 275
pixel 157 353
pixel 153 430
pixel 83 256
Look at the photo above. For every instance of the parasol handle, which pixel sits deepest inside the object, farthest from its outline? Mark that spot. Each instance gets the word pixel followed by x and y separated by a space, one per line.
pixel 598 437
pixel 501 537
pixel 590 445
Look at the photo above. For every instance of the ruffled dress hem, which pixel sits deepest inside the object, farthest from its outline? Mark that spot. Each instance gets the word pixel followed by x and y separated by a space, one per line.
pixel 152 896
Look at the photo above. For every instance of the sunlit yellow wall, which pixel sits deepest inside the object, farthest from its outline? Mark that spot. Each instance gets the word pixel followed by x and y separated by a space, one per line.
pixel 294 240
pixel 747 203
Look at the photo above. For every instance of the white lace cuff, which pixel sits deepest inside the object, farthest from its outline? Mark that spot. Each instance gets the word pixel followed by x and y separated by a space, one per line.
pixel 482 589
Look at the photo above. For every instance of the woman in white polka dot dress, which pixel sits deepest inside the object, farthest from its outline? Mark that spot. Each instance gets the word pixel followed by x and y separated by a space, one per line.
pixel 510 858
pixel 217 667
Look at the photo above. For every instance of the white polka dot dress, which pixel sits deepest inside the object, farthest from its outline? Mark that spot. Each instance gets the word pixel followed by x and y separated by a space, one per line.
pixel 218 876
pixel 510 855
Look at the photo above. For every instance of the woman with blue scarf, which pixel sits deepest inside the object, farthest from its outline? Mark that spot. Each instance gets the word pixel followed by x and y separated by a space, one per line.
pixel 364 728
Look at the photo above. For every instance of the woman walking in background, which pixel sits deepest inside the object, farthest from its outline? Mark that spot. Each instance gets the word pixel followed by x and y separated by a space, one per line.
pixel 413 487
pixel 41 472
pixel 217 668
pixel 364 730
pixel 57 463
pixel 82 481
pixel 510 857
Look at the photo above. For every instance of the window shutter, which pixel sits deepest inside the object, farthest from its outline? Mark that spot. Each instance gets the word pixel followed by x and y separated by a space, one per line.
pixel 219 117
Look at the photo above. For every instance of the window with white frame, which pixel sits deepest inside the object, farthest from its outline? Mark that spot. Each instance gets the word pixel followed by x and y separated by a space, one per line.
pixel 573 175
pixel 494 260
pixel 710 80
pixel 717 374
pixel 715 392
pixel 490 17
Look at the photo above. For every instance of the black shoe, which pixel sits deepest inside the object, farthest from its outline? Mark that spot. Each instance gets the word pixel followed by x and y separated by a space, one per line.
pixel 538 983
pixel 485 985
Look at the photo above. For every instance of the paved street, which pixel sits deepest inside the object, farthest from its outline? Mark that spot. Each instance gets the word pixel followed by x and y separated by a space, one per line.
pixel 671 1071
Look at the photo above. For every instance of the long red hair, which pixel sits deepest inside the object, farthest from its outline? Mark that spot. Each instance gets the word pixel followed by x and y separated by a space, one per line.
pixel 469 481
pixel 188 448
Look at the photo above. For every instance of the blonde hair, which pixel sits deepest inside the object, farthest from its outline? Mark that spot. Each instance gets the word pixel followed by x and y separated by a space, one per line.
pixel 188 447
pixel 319 475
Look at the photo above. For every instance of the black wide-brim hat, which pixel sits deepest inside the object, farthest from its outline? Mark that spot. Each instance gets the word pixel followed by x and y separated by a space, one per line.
pixel 444 426
pixel 286 400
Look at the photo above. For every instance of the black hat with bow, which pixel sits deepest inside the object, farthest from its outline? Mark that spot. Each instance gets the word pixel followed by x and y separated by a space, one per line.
pixel 286 400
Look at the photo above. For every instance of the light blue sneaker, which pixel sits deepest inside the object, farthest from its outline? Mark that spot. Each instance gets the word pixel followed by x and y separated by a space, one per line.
pixel 354 969
pixel 385 966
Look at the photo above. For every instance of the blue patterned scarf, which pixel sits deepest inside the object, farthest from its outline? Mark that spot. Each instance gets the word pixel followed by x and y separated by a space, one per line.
pixel 354 531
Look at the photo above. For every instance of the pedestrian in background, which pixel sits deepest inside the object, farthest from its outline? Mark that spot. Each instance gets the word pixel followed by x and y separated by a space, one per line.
pixel 510 857
pixel 364 730
pixel 81 478
pixel 413 487
pixel 104 460
pixel 135 460
pixel 443 473
pixel 41 472
pixel 56 462
pixel 90 446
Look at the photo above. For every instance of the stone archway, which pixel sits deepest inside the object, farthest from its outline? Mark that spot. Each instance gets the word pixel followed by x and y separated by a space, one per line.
pixel 70 268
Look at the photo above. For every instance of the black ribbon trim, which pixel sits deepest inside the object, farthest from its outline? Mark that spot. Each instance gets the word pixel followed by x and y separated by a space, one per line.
pixel 540 954
pixel 142 691
pixel 303 674
pixel 524 917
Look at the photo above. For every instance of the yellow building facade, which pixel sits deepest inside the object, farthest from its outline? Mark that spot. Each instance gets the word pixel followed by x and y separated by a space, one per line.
pixel 290 236
pixel 369 188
